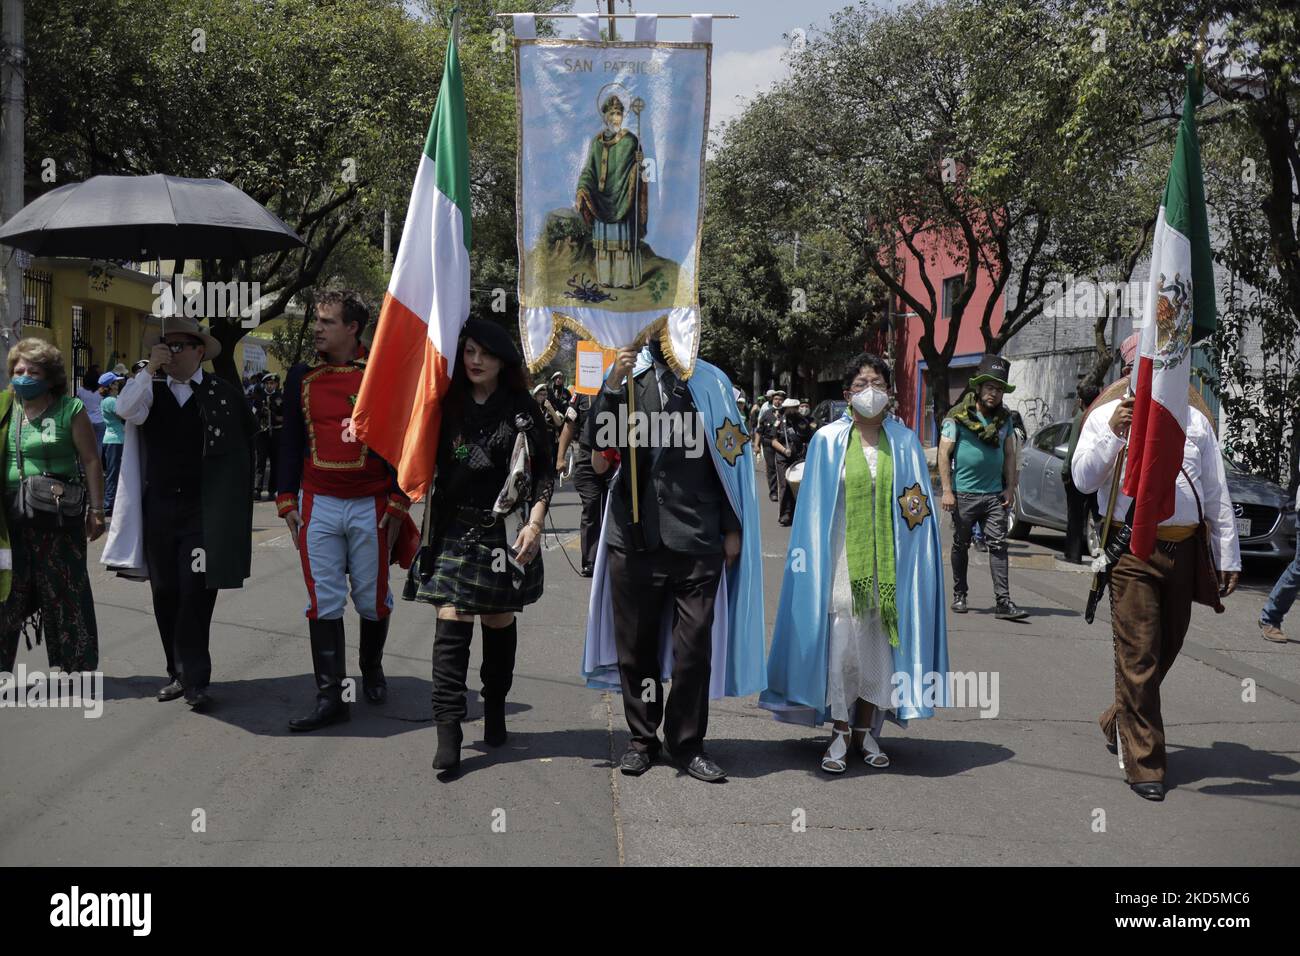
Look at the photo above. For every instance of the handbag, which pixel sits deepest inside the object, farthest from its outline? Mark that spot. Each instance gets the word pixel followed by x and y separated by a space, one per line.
pixel 45 498
pixel 1206 585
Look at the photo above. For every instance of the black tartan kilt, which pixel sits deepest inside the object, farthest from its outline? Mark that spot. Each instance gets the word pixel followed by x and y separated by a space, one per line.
pixel 463 576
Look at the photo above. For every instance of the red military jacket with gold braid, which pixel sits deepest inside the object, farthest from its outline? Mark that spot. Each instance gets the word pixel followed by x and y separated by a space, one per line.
pixel 319 449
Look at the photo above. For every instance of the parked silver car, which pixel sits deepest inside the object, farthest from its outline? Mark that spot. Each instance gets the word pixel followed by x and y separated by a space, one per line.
pixel 1266 519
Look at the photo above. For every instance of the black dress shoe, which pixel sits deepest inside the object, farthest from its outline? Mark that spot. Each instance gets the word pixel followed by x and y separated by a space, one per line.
pixel 587 571
pixel 171 691
pixel 199 700
pixel 327 712
pixel 1154 790
pixel 635 762
pixel 702 767
pixel 959 603
pixel 1008 611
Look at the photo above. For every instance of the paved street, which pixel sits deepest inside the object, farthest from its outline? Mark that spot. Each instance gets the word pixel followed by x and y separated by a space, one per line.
pixel 1024 787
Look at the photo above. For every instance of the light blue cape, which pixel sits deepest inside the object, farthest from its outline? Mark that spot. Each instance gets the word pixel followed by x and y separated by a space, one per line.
pixel 738 626
pixel 796 666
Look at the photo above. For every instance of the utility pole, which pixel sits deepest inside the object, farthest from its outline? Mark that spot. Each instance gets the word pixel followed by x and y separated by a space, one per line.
pixel 613 32
pixel 388 246
pixel 13 57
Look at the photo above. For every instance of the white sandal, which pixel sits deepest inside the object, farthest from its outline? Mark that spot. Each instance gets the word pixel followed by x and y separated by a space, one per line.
pixel 872 755
pixel 834 761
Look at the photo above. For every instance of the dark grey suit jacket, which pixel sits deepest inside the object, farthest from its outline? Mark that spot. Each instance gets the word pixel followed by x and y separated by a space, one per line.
pixel 683 505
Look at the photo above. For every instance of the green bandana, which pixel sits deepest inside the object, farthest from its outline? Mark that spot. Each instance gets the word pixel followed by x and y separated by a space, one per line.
pixel 966 414
pixel 869 531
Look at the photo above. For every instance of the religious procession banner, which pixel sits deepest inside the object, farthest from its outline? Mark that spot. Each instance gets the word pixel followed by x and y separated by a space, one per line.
pixel 610 188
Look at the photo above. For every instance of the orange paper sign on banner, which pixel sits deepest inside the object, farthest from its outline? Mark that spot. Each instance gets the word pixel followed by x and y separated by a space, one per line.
pixel 592 361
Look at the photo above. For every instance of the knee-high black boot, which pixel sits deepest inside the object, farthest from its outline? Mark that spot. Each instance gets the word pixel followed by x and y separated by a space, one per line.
pixel 328 661
pixel 450 667
pixel 373 683
pixel 497 674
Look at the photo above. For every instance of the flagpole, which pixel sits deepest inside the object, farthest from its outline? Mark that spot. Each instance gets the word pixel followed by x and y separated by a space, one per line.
pixel 636 531
pixel 1099 578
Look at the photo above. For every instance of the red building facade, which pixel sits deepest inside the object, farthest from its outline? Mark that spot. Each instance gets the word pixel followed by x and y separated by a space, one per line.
pixel 911 376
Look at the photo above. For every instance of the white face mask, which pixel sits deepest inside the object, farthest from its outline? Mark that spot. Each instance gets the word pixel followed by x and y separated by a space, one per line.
pixel 869 402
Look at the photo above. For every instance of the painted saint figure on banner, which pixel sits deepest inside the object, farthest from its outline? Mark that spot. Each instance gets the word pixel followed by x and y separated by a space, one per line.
pixel 612 196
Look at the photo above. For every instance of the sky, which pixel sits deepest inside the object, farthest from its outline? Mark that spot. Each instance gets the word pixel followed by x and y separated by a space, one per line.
pixel 747 52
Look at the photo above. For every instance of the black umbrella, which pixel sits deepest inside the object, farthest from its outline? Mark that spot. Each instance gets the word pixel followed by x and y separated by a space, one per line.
pixel 148 217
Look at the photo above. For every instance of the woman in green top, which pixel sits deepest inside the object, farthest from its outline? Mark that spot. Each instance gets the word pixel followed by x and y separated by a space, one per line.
pixel 49 574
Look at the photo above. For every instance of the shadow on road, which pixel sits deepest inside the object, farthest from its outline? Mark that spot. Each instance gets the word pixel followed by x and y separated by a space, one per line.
pixel 263 706
pixel 583 744
pixel 909 756
pixel 1187 765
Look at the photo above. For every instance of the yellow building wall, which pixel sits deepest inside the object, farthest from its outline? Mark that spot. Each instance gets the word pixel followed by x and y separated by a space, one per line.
pixel 118 307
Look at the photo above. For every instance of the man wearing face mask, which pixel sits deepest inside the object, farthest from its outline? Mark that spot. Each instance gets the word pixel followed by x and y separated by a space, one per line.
pixel 977 467
pixel 184 517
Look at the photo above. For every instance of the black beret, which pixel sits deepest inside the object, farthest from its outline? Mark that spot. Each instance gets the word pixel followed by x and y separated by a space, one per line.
pixel 495 339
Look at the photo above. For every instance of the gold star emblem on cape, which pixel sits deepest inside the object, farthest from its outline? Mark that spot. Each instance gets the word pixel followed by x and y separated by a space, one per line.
pixel 730 439
pixel 914 505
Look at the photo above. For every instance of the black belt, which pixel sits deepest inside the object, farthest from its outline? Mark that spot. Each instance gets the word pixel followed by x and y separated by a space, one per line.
pixel 479 517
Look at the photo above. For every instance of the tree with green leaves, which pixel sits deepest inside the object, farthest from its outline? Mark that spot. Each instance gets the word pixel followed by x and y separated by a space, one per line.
pixel 316 109
pixel 958 124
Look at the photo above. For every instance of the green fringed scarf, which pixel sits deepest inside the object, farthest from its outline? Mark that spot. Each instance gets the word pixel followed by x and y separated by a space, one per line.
pixel 966 414
pixel 869 531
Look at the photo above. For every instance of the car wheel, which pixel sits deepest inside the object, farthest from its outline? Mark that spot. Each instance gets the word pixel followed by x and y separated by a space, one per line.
pixel 1017 527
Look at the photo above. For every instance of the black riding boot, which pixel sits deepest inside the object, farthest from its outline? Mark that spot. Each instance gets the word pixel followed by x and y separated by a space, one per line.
pixel 373 683
pixel 328 661
pixel 450 667
pixel 497 674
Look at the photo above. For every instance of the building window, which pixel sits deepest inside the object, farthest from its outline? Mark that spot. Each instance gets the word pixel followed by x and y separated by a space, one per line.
pixel 952 290
pixel 37 298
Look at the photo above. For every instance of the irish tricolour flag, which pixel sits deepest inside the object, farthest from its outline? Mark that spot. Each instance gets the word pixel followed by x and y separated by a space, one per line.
pixel 1179 311
pixel 427 302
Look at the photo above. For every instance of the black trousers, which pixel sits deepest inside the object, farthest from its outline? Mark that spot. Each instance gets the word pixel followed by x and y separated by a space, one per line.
pixel 1076 523
pixel 592 491
pixel 769 462
pixel 267 447
pixel 182 605
pixel 784 493
pixel 643 582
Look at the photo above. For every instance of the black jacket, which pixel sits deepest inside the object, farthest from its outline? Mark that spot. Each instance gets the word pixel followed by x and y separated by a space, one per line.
pixel 683 506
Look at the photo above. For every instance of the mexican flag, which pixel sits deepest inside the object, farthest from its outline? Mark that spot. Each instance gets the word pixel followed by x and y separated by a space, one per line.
pixel 413 353
pixel 1179 310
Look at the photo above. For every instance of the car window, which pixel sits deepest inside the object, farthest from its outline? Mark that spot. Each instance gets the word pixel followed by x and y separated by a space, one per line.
pixel 1050 437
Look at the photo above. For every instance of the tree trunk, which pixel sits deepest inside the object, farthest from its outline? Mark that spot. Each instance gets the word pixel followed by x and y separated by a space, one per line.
pixel 939 385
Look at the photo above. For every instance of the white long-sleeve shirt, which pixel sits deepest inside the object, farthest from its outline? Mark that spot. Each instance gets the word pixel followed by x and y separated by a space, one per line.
pixel 1094 458
pixel 136 396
